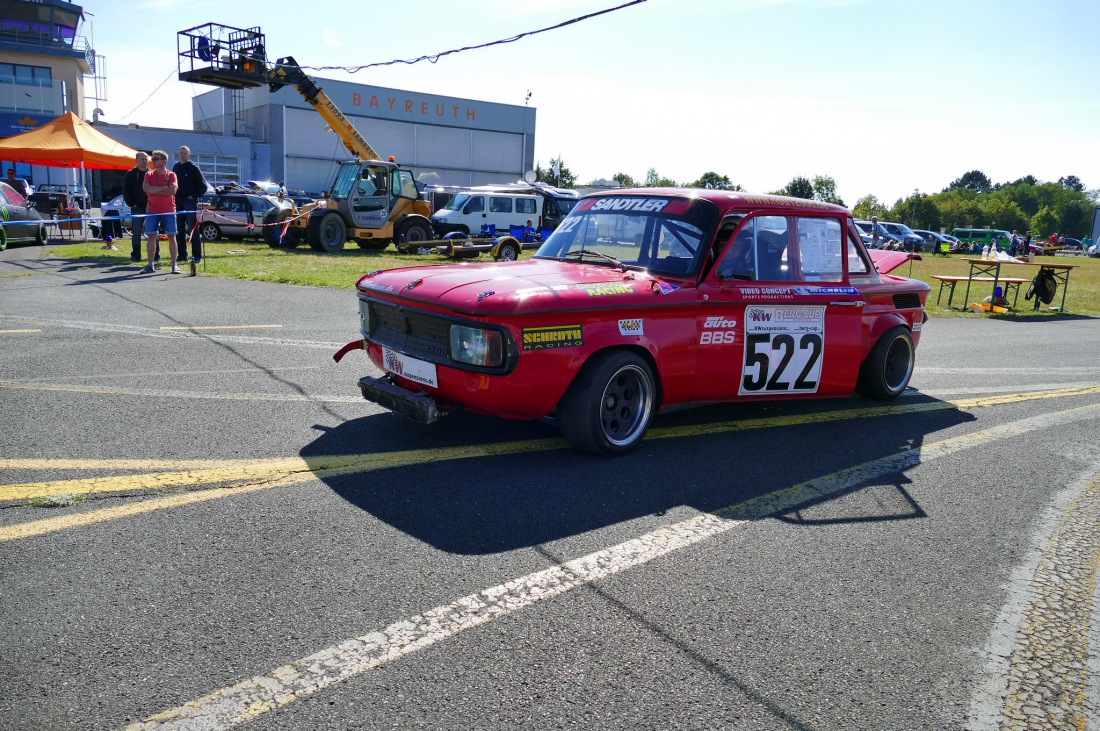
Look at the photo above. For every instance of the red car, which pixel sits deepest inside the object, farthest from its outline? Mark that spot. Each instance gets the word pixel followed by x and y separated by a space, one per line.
pixel 644 300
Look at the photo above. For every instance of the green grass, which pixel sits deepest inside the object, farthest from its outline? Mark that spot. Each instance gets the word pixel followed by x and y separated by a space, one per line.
pixel 304 266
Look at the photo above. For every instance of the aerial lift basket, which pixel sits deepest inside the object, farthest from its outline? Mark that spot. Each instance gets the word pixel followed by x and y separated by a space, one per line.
pixel 221 55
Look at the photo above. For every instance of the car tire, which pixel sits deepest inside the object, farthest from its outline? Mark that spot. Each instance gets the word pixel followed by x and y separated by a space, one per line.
pixel 886 372
pixel 209 231
pixel 327 233
pixel 41 236
pixel 272 230
pixel 3 239
pixel 413 231
pixel 610 403
pixel 508 249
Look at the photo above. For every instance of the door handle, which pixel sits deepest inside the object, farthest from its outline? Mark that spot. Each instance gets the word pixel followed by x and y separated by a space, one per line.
pixel 859 303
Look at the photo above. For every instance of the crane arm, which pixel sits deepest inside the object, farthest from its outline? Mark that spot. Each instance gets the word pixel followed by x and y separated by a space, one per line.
pixel 286 72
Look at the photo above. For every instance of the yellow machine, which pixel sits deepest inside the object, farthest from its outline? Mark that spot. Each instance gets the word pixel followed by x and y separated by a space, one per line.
pixel 371 201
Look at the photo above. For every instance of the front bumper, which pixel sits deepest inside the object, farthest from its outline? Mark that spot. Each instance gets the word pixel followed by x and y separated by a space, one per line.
pixel 418 406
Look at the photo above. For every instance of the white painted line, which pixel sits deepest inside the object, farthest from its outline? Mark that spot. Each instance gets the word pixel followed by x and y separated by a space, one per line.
pixel 8 332
pixel 255 696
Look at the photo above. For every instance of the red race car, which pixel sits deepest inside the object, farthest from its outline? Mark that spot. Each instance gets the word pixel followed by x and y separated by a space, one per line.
pixel 640 301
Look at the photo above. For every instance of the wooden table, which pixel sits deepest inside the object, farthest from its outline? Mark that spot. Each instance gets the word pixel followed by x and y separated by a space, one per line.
pixel 986 268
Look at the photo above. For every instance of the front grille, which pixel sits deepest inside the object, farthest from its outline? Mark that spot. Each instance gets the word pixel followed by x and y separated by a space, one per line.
pixel 414 333
pixel 907 301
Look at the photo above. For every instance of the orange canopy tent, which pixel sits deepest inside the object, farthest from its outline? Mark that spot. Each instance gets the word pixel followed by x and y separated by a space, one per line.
pixel 68 142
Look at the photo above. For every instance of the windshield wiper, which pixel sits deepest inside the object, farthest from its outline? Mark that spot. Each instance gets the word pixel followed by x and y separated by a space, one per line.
pixel 581 253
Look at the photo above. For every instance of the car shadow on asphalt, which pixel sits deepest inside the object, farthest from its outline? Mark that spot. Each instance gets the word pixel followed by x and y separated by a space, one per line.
pixel 736 460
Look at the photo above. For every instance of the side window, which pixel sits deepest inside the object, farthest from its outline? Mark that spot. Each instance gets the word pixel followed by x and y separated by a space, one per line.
pixel 476 204
pixel 525 205
pixel 739 261
pixel 773 261
pixel 500 205
pixel 820 249
pixel 856 263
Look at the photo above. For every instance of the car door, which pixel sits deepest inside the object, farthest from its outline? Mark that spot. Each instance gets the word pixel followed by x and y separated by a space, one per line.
pixel 370 197
pixel 258 206
pixel 778 314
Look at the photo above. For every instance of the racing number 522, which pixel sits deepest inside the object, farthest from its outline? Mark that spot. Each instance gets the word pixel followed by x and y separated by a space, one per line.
pixel 769 374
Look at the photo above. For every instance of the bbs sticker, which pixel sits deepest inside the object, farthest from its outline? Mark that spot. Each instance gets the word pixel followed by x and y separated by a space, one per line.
pixel 718 337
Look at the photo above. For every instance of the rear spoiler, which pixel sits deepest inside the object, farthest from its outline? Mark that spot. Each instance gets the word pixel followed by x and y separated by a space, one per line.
pixel 887 261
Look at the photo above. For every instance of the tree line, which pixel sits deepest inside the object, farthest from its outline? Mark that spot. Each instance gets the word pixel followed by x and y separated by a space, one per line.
pixel 971 201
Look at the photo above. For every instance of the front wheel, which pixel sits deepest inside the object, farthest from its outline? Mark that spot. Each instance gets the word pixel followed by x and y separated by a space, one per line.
pixel 210 232
pixel 608 407
pixel 414 232
pixel 41 237
pixel 327 233
pixel 273 233
pixel 887 370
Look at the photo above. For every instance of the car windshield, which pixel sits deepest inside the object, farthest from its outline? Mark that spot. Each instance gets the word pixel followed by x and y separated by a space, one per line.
pixel 457 202
pixel 904 229
pixel 664 235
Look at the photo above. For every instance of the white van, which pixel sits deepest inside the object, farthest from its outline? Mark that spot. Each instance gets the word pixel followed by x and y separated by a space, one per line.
pixel 472 210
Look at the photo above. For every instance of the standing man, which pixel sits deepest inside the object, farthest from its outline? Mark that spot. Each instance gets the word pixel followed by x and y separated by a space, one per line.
pixel 160 186
pixel 17 183
pixel 192 185
pixel 876 236
pixel 135 197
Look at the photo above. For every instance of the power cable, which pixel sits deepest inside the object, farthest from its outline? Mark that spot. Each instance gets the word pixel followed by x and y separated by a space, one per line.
pixel 435 57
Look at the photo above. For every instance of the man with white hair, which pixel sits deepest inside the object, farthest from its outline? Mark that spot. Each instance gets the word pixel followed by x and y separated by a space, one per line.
pixel 192 186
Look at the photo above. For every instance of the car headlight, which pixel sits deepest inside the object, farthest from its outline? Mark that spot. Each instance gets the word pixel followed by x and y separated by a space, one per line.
pixel 476 346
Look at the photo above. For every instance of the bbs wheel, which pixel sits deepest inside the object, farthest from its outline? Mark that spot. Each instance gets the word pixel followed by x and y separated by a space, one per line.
pixel 608 407
pixel 508 249
pixel 210 231
pixel 887 370
pixel 327 233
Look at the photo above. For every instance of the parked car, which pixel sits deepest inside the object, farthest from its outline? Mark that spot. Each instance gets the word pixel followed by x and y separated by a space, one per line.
pixel 1094 250
pixel 22 221
pixel 49 197
pixel 234 215
pixel 642 301
pixel 1073 244
pixel 886 240
pixel 909 239
pixel 934 241
pixel 114 221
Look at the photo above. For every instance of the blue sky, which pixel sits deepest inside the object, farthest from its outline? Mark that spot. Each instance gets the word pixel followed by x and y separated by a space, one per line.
pixel 885 96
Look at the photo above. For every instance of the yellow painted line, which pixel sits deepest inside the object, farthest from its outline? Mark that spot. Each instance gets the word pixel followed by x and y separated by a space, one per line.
pixel 201 473
pixel 250 698
pixel 220 327
pixel 6 332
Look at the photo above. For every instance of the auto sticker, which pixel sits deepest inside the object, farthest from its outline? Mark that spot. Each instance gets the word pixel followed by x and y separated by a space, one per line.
pixel 784 345
pixel 631 327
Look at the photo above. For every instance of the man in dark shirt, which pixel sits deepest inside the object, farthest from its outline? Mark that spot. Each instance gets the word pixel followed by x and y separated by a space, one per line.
pixel 192 186
pixel 19 185
pixel 136 198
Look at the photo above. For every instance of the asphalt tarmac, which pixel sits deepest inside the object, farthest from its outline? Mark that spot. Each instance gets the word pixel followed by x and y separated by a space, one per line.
pixel 203 525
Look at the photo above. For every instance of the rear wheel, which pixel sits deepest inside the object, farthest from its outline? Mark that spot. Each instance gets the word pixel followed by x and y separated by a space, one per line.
pixel 3 239
pixel 41 236
pixel 608 407
pixel 327 233
pixel 210 231
pixel 887 370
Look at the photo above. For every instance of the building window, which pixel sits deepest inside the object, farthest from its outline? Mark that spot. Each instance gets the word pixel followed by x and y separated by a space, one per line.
pixel 17 73
pixel 218 169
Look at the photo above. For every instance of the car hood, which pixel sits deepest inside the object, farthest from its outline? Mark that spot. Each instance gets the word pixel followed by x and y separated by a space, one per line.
pixel 513 287
pixel 887 261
